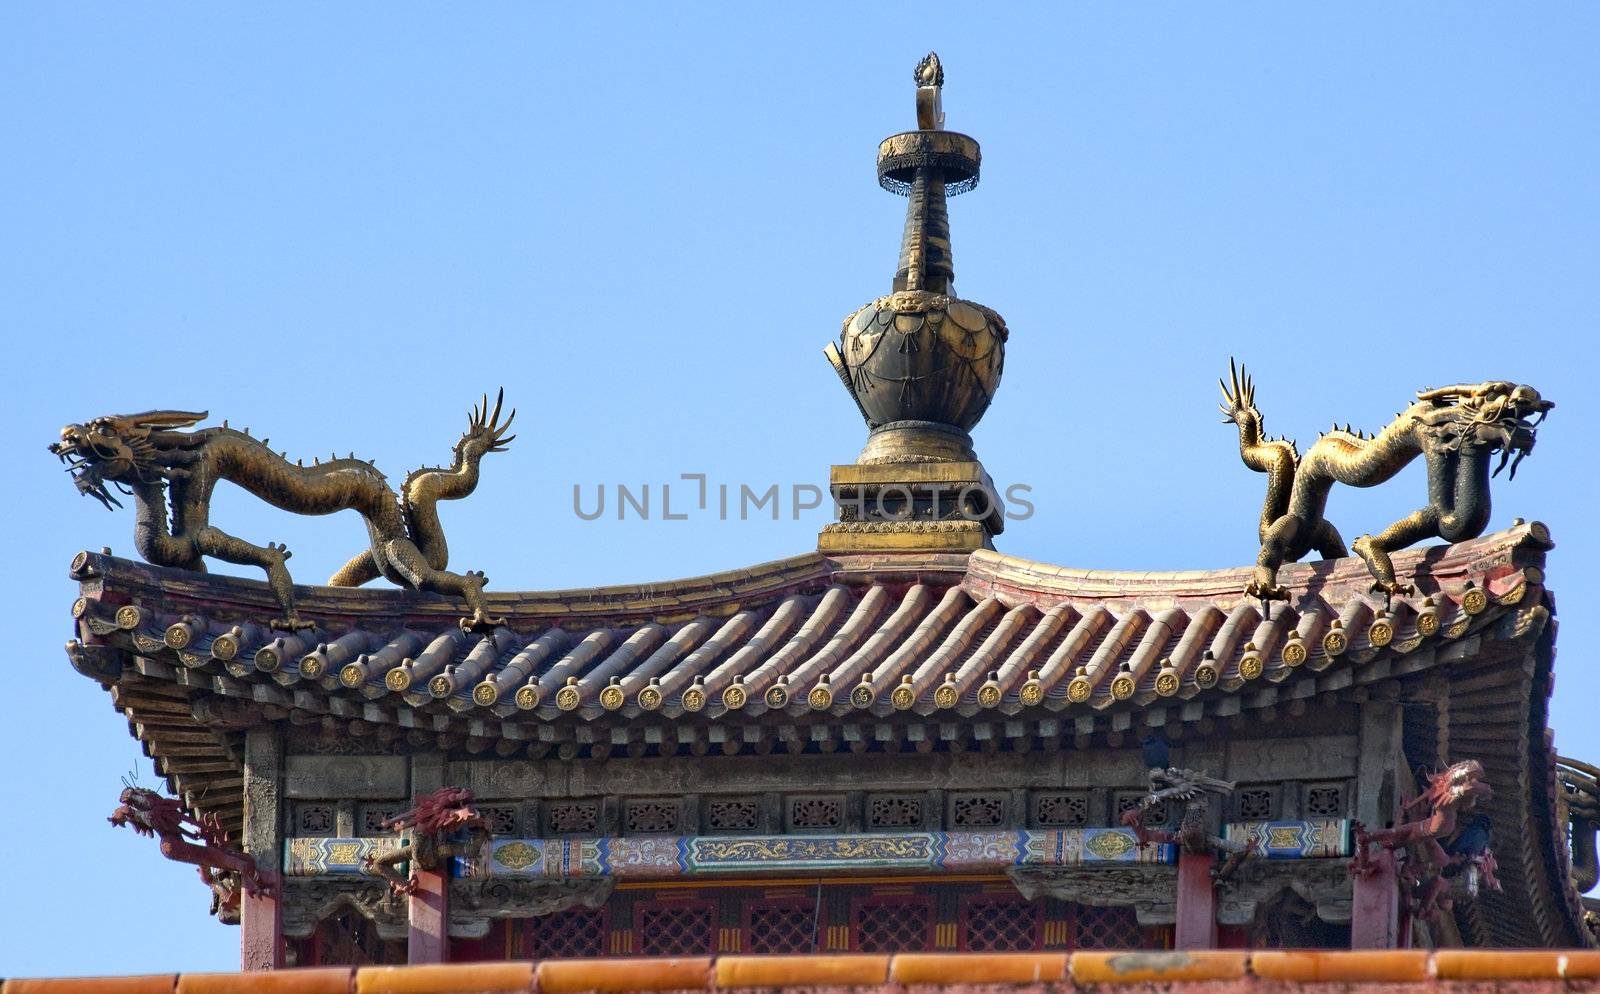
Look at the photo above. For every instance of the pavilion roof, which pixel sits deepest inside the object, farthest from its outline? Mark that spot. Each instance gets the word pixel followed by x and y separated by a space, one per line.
pixel 926 651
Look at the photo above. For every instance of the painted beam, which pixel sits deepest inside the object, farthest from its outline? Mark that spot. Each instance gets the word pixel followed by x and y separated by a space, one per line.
pixel 668 856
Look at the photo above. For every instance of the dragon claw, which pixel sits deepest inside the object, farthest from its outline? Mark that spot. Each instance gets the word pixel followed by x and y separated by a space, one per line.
pixel 1266 591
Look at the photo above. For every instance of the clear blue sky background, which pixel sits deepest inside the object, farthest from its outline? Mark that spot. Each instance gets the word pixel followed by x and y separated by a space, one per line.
pixel 338 224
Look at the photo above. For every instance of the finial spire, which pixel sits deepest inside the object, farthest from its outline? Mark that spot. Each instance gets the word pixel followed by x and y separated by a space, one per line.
pixel 926 165
pixel 920 363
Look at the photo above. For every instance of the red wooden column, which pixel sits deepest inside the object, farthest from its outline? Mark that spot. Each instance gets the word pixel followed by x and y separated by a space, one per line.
pixel 261 945
pixel 1197 902
pixel 429 909
pixel 1375 904
pixel 261 927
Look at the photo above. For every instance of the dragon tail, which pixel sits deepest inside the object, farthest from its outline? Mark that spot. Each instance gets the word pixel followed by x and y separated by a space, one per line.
pixel 425 487
pixel 1276 457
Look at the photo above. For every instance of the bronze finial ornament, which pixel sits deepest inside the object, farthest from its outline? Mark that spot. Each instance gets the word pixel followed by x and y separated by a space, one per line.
pixel 922 364
pixel 146 455
pixel 1455 429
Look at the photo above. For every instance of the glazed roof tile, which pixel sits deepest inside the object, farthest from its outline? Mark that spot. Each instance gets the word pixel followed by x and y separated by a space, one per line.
pixel 812 636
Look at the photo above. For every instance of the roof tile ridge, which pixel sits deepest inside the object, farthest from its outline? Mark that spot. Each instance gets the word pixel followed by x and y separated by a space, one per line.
pixel 851 632
pixel 921 637
pixel 922 677
pixel 687 668
pixel 823 615
pixel 1059 666
pixel 768 638
pixel 983 657
pixel 912 606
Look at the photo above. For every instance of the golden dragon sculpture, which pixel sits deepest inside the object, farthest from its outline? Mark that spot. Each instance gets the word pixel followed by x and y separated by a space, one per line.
pixel 1456 429
pixel 148 457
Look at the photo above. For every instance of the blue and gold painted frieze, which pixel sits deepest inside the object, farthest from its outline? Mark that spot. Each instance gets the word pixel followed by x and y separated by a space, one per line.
pixel 666 856
pixel 1318 838
pixel 324 856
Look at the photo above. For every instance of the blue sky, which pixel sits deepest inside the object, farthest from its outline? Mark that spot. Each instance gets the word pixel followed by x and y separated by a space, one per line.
pixel 339 224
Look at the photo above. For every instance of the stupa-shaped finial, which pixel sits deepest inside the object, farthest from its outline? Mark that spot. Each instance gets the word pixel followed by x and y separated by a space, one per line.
pixel 922 364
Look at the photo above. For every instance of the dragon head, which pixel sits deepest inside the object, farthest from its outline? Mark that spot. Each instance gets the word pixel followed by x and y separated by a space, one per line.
pixel 118 450
pixel 1496 415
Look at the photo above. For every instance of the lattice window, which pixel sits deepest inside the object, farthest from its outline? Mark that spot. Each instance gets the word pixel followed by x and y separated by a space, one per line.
pixel 577 933
pixel 372 816
pixel 678 929
pixel 572 817
pixel 781 927
pixel 977 810
pixel 1001 924
pixel 1156 814
pixel 891 926
pixel 314 819
pixel 813 813
pixel 733 814
pixel 501 818
pixel 1061 810
pixel 1325 800
pixel 1256 803
pixel 894 811
pixel 643 816
pixel 1106 928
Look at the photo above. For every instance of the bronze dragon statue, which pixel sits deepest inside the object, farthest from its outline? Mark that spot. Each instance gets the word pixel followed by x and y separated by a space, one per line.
pixel 148 457
pixel 1456 429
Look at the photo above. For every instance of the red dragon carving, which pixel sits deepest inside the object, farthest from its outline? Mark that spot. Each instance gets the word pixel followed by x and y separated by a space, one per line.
pixel 1449 796
pixel 430 821
pixel 201 842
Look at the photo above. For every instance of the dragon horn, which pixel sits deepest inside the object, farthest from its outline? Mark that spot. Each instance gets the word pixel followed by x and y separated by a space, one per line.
pixel 498 399
pixel 156 419
pixel 511 418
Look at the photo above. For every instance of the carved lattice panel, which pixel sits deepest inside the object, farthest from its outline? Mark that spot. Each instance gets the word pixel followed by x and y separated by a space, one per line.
pixel 1325 800
pixel 1000 924
pixel 650 816
pixel 314 819
pixel 577 933
pixel 1066 809
pixel 1106 928
pixel 893 925
pixel 812 813
pixel 781 927
pixel 1256 803
pixel 501 819
pixel 572 817
pixel 977 810
pixel 891 811
pixel 733 814
pixel 679 928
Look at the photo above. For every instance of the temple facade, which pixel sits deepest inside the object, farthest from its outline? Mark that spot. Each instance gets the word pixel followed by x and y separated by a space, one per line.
pixel 901 741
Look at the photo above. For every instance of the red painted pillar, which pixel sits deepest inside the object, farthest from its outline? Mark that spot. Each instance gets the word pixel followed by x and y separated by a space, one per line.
pixel 1197 902
pixel 261 945
pixel 1375 904
pixel 429 908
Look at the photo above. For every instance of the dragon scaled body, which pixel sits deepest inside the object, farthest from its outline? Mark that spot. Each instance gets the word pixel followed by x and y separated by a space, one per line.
pixel 1456 430
pixel 171 474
